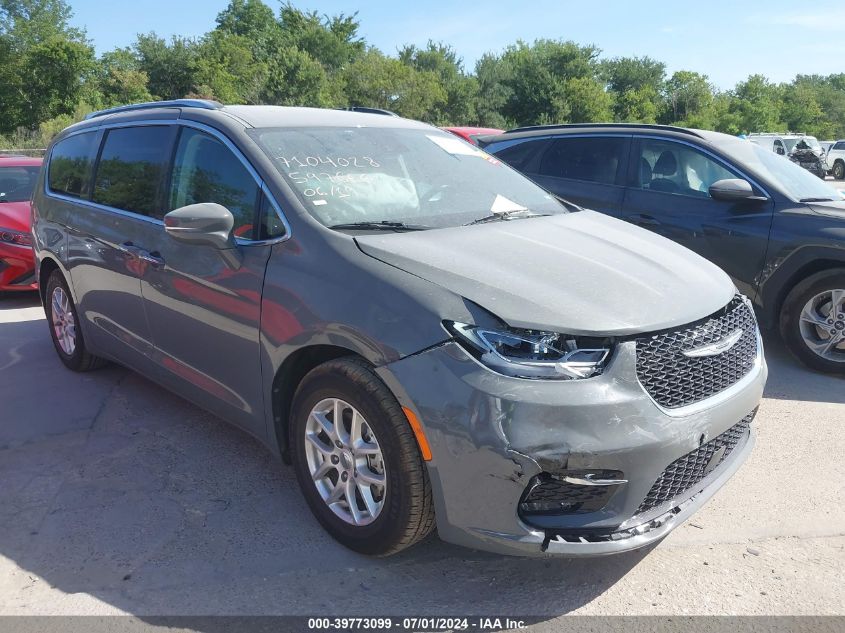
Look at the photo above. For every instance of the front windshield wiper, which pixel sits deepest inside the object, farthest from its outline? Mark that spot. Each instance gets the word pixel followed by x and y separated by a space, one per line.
pixel 816 200
pixel 507 215
pixel 380 225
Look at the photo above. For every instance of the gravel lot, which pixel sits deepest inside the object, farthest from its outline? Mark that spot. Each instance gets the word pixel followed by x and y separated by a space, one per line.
pixel 118 497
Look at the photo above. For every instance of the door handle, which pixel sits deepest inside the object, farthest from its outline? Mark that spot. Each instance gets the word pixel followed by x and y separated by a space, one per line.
pixel 643 219
pixel 154 259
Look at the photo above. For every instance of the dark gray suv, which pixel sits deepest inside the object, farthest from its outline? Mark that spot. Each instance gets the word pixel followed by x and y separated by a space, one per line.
pixel 429 337
pixel 775 228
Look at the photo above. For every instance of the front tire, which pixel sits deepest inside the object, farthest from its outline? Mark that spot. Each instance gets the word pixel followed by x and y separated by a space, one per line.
pixel 839 170
pixel 357 460
pixel 63 319
pixel 812 321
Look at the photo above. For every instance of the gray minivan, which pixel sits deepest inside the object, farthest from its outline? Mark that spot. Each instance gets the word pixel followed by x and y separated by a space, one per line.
pixel 427 336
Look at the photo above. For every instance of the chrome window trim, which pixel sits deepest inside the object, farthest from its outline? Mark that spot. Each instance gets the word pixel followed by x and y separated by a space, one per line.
pixel 729 166
pixel 178 122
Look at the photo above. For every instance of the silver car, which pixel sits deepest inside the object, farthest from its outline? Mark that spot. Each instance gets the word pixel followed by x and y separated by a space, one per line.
pixel 429 338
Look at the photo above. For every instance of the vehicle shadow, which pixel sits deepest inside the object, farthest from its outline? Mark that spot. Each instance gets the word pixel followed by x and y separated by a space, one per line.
pixel 112 487
pixel 790 380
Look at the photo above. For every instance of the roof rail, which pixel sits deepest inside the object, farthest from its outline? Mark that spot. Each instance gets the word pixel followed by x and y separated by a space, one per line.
pixel 643 126
pixel 205 104
pixel 368 110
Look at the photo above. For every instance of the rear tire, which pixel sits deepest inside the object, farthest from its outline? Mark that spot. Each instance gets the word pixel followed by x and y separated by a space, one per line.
pixel 63 320
pixel 812 321
pixel 327 459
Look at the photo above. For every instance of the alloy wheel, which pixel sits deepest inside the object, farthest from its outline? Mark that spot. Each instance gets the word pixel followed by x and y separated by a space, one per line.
pixel 822 324
pixel 64 324
pixel 345 461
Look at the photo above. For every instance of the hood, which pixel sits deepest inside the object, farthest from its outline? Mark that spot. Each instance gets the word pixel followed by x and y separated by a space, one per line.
pixel 582 273
pixel 15 216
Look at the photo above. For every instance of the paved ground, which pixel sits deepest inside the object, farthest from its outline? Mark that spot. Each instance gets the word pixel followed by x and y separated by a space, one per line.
pixel 117 497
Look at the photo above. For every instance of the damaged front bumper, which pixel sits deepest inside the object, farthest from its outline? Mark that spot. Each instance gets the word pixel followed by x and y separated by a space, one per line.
pixel 491 436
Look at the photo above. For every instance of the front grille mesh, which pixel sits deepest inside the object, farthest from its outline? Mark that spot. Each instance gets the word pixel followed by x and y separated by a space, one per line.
pixel 692 468
pixel 675 380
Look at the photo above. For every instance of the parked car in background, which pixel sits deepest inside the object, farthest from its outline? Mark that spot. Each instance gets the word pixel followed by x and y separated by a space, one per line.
pixel 777 230
pixel 472 134
pixel 425 333
pixel 836 160
pixel 784 144
pixel 17 181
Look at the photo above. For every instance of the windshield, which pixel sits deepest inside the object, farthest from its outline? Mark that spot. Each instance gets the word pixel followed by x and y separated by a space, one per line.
pixel 423 177
pixel 796 181
pixel 17 183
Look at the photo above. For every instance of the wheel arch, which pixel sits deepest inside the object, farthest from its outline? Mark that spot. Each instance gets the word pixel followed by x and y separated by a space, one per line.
pixel 45 269
pixel 795 277
pixel 287 379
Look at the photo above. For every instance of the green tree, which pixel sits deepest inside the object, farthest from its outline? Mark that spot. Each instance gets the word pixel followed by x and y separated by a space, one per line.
pixel 636 84
pixel 757 105
pixel 378 81
pixel 535 77
pixel 689 95
pixel 120 79
pixel 331 40
pixel 494 91
pixel 461 90
pixel 45 62
pixel 226 69
pixel 170 67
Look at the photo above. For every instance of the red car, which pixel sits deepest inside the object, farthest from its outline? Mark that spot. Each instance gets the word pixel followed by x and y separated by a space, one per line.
pixel 472 133
pixel 17 180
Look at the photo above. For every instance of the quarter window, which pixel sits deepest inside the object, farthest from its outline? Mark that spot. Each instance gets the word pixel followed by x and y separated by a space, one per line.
pixel 590 159
pixel 131 167
pixel 670 167
pixel 69 172
pixel 205 170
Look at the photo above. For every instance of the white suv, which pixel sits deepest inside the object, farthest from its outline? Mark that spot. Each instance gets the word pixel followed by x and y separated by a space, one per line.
pixel 836 160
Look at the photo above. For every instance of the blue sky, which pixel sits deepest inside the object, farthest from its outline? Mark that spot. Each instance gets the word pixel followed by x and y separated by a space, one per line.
pixel 725 40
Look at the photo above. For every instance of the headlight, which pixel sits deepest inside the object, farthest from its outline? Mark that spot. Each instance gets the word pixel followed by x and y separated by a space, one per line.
pixel 532 354
pixel 15 237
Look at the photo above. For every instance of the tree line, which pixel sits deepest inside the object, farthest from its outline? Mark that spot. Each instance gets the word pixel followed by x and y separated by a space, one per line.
pixel 50 77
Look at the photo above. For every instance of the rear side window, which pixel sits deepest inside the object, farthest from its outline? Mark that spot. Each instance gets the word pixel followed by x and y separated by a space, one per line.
pixel 69 172
pixel 520 154
pixel 205 170
pixel 590 159
pixel 131 168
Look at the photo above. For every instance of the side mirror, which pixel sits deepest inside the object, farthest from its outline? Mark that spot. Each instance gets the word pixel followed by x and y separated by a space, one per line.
pixel 780 151
pixel 733 190
pixel 205 224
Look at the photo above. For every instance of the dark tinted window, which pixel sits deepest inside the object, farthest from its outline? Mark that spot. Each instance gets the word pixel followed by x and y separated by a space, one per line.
pixel 839 145
pixel 17 183
pixel 70 165
pixel 131 166
pixel 519 155
pixel 591 159
pixel 675 168
pixel 205 170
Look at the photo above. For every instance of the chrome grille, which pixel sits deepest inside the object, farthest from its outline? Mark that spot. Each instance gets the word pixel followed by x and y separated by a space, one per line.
pixel 676 380
pixel 692 468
